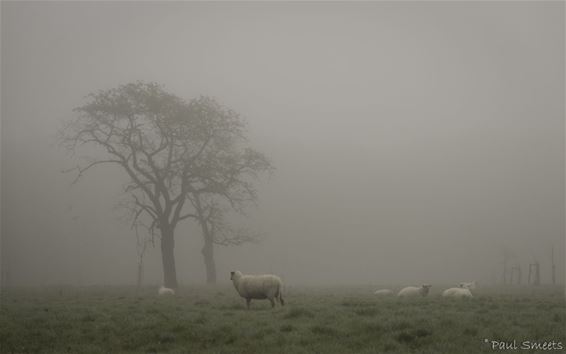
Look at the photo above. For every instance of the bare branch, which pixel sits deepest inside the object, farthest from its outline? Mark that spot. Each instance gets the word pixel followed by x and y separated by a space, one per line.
pixel 186 216
pixel 82 170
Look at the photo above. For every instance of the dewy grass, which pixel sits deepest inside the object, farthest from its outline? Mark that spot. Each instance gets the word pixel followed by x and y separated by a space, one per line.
pixel 215 320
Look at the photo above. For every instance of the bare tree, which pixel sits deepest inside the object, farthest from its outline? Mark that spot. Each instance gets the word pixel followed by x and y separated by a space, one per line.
pixel 516 275
pixel 227 184
pixel 164 145
pixel 216 231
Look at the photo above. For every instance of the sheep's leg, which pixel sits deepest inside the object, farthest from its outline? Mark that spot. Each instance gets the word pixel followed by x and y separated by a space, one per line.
pixel 272 302
pixel 279 297
pixel 248 303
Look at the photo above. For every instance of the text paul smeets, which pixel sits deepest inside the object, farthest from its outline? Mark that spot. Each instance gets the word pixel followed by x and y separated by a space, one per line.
pixel 524 345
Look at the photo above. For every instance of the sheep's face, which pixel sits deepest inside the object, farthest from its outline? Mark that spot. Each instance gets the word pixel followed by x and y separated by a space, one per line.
pixel 471 285
pixel 235 275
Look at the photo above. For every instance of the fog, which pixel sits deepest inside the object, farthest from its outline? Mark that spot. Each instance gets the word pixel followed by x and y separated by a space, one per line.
pixel 413 142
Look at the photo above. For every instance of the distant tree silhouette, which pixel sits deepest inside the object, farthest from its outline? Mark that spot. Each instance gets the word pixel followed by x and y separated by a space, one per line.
pixel 168 148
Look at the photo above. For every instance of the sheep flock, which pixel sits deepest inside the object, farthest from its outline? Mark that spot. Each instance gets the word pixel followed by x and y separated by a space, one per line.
pixel 270 287
pixel 464 290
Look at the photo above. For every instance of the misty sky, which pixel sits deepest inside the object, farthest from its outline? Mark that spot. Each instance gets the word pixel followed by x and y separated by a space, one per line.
pixel 413 142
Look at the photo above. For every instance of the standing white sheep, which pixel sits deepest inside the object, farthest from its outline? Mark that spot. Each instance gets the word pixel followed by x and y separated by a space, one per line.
pixel 413 291
pixel 457 293
pixel 258 287
pixel 383 292
pixel 165 291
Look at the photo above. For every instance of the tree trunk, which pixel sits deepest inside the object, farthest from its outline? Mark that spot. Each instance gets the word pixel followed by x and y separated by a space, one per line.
pixel 168 258
pixel 140 275
pixel 208 254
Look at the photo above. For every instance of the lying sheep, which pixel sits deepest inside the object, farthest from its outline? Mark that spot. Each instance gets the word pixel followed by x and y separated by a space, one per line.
pixel 457 293
pixel 258 287
pixel 471 285
pixel 413 291
pixel 165 291
pixel 383 292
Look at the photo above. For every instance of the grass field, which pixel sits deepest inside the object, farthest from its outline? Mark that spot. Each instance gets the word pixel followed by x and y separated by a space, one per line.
pixel 314 320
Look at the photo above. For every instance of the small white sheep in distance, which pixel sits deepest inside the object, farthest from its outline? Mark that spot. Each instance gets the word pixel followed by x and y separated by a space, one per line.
pixel 413 291
pixel 470 285
pixel 165 291
pixel 259 287
pixel 457 293
pixel 383 292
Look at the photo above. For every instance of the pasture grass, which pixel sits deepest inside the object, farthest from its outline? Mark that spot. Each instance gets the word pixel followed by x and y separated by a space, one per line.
pixel 314 320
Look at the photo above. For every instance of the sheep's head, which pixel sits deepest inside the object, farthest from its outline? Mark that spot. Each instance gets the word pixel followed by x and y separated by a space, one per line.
pixel 425 288
pixel 235 274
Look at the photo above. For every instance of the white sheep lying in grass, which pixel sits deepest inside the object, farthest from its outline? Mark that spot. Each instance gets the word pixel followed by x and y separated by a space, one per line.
pixel 413 291
pixel 258 287
pixel 470 285
pixel 383 292
pixel 165 291
pixel 457 293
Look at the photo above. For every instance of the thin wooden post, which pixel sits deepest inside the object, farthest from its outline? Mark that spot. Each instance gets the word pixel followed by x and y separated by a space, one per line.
pixel 505 280
pixel 534 273
pixel 553 267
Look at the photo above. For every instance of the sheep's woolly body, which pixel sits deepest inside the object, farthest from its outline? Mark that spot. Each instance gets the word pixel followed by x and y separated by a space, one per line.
pixel 413 291
pixel 165 291
pixel 259 287
pixel 383 292
pixel 457 293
